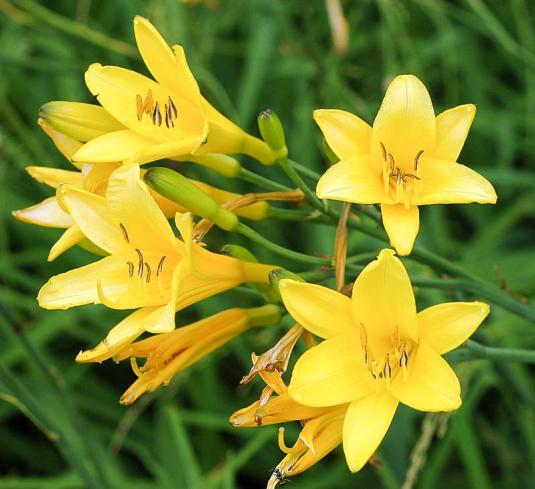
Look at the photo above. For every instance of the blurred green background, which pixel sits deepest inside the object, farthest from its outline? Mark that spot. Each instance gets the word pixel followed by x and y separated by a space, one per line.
pixel 61 425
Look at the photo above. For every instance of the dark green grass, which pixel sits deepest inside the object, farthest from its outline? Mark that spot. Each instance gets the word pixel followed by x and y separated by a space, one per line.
pixel 61 426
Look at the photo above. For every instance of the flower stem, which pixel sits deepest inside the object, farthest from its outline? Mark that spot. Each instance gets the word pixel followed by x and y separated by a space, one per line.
pixel 305 171
pixel 254 178
pixel 473 350
pixel 280 250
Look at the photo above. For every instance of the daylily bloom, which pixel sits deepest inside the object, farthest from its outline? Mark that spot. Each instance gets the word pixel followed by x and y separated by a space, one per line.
pixel 94 178
pixel 164 117
pixel 406 160
pixel 322 431
pixel 378 351
pixel 147 266
pixel 170 353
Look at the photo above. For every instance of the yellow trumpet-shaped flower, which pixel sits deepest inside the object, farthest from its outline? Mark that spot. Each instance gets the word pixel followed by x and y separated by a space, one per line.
pixel 147 266
pixel 167 354
pixel 406 160
pixel 163 117
pixel 378 351
pixel 322 431
pixel 94 178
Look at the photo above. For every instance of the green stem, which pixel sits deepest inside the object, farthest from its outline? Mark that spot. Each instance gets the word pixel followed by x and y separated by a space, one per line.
pixel 300 183
pixel 280 250
pixel 304 170
pixel 290 214
pixel 473 350
pixel 254 178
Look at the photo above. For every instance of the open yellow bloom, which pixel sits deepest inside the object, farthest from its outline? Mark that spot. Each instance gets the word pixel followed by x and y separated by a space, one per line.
pixel 406 160
pixel 163 117
pixel 321 433
pixel 147 266
pixel 167 354
pixel 378 351
pixel 94 178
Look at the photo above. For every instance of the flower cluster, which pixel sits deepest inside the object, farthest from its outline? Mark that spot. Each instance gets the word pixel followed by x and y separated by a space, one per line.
pixel 376 351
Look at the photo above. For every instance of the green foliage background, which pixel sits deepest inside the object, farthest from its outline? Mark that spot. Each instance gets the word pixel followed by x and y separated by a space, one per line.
pixel 60 423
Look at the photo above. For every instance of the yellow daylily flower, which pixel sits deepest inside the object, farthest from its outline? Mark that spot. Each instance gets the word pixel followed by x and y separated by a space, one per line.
pixel 94 178
pixel 378 351
pixel 167 354
pixel 164 117
pixel 408 159
pixel 147 266
pixel 321 433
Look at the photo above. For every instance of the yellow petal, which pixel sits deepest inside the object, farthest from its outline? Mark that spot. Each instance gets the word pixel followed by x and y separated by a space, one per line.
pixel 331 373
pixel 452 129
pixel 122 92
pixel 321 310
pixel 401 225
pixel 405 124
pixel 353 180
pixel 445 326
pixel 91 214
pixel 383 301
pixel 54 177
pixel 72 236
pixel 66 145
pixel 121 335
pixel 431 384
pixel 365 425
pixel 47 213
pixel 446 182
pixel 345 133
pixel 130 203
pixel 95 177
pixel 168 67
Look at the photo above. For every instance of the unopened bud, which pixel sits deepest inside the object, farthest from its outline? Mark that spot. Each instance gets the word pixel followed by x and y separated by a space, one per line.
pixel 223 164
pixel 273 133
pixel 179 189
pixel 279 274
pixel 79 121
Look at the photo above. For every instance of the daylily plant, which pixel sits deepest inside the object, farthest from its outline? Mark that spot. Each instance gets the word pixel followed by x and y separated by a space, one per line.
pixel 148 267
pixel 94 178
pixel 164 117
pixel 407 159
pixel 378 351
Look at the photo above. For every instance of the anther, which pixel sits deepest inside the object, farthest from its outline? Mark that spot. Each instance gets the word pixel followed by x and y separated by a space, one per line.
pixel 392 163
pixel 149 102
pixel 417 159
pixel 125 234
pixel 166 116
pixel 173 112
pixel 160 266
pixel 139 107
pixel 383 149
pixel 157 115
pixel 130 269
pixel 140 264
pixel 148 272
pixel 388 369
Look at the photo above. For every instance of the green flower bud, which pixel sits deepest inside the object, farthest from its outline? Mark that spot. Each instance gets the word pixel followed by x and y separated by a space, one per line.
pixel 223 164
pixel 279 274
pixel 179 189
pixel 273 133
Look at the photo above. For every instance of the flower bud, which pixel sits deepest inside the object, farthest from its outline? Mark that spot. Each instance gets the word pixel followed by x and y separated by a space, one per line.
pixel 275 276
pixel 179 189
pixel 223 164
pixel 273 133
pixel 79 121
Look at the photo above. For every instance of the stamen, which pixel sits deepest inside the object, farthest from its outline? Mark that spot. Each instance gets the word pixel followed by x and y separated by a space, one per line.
pixel 135 367
pixel 403 362
pixel 149 102
pixel 166 116
pixel 160 266
pixel 282 445
pixel 417 159
pixel 410 175
pixel 140 264
pixel 173 112
pixel 383 149
pixel 398 184
pixel 125 234
pixel 148 272
pixel 130 269
pixel 139 107
pixel 364 342
pixel 388 369
pixel 157 115
pixel 392 164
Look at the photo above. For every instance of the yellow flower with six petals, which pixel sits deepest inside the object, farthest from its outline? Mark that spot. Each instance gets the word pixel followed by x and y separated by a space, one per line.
pixel 406 160
pixel 378 351
pixel 164 117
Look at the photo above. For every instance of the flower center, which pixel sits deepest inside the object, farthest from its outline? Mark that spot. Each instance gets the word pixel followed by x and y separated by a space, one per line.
pixel 154 110
pixel 401 181
pixel 386 358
